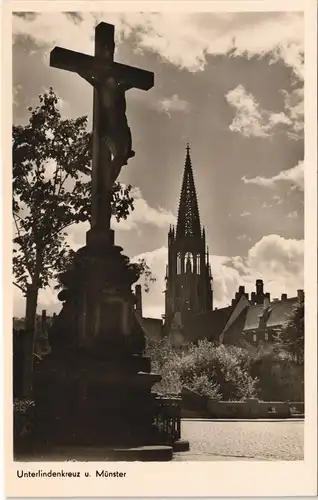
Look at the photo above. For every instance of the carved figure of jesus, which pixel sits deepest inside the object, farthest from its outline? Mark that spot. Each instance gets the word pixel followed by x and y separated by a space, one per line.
pixel 113 129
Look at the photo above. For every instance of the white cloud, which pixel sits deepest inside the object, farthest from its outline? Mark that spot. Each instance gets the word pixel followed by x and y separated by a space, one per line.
pixel 248 119
pixel 276 260
pixel 293 215
pixel 242 237
pixel 173 104
pixel 278 199
pixel 267 205
pixel 153 301
pixel 184 39
pixel 143 213
pixel 294 109
pixel 277 119
pixel 15 94
pixel 293 176
pixel 252 121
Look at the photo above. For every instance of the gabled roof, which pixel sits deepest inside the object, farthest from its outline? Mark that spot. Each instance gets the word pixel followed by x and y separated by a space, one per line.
pixel 253 317
pixel 278 311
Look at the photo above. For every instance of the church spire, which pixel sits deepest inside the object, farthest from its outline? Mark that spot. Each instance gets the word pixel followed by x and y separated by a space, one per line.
pixel 188 279
pixel 188 215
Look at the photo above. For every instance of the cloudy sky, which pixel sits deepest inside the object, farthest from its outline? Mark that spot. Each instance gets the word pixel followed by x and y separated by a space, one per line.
pixel 229 83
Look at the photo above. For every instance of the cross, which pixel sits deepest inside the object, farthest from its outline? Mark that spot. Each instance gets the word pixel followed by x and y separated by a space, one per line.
pixel 111 134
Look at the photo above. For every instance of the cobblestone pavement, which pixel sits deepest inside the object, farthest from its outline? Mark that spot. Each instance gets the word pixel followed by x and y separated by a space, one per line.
pixel 256 440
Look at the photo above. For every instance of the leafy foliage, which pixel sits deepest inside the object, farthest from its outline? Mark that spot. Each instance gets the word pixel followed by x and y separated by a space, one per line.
pixel 217 371
pixel 290 336
pixel 23 417
pixel 228 372
pixel 279 378
pixel 144 270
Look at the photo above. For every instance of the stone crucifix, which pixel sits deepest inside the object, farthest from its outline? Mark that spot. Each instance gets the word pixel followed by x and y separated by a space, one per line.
pixel 112 144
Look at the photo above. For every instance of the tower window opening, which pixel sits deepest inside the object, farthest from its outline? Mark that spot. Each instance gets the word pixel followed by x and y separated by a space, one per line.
pixel 178 263
pixel 188 262
pixel 198 264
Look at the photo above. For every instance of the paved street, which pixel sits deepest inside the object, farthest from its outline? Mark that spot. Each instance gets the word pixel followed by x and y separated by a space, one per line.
pixel 256 440
pixel 223 440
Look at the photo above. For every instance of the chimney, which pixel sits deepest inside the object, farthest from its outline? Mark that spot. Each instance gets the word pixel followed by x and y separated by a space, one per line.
pixel 138 300
pixel 241 290
pixel 268 295
pixel 284 296
pixel 246 295
pixel 300 295
pixel 253 298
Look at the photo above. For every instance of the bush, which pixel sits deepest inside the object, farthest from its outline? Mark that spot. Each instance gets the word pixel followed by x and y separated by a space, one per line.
pixel 170 384
pixel 228 372
pixel 23 415
pixel 225 367
pixel 213 370
pixel 280 379
pixel 201 384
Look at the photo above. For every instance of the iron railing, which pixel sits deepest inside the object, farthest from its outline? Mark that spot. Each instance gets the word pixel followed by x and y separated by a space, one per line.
pixel 168 418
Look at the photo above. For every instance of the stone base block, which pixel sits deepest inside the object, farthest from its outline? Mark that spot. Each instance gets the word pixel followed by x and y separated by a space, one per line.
pixel 181 445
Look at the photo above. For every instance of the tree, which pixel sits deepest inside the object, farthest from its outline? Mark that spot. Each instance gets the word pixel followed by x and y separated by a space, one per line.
pixel 290 336
pixel 51 192
pixel 144 270
pixel 279 379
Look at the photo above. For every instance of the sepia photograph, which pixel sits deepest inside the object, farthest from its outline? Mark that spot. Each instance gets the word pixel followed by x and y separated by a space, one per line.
pixel 158 227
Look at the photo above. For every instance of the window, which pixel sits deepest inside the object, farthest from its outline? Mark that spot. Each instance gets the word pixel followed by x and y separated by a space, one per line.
pixel 254 337
pixel 266 336
pixel 189 261
pixel 198 264
pixel 178 263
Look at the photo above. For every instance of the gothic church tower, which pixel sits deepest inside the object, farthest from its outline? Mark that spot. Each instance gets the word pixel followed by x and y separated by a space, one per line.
pixel 188 275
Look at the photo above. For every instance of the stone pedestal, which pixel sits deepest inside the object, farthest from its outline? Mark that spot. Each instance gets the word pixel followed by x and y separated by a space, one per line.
pixel 96 402
pixel 94 388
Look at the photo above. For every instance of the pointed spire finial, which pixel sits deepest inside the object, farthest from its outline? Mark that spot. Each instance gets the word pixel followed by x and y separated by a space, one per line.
pixel 188 215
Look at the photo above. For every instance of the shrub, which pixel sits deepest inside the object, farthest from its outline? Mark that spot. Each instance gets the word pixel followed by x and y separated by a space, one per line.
pixel 217 371
pixel 279 378
pixel 201 384
pixel 229 372
pixel 23 414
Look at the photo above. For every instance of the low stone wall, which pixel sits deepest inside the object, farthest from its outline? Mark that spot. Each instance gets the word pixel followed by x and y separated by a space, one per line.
pixel 193 402
pixel 195 405
pixel 251 408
